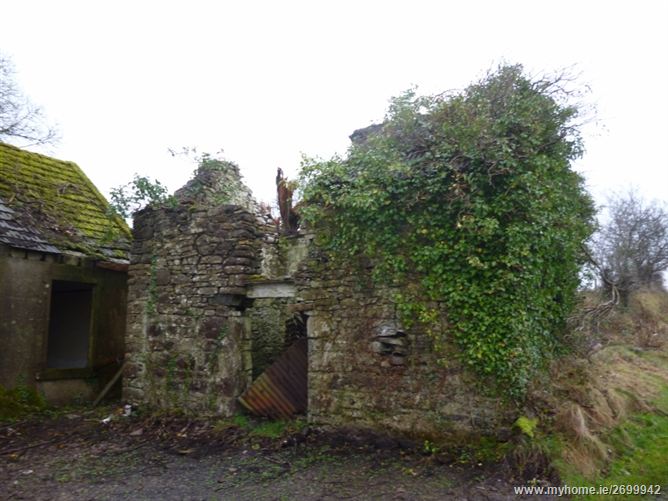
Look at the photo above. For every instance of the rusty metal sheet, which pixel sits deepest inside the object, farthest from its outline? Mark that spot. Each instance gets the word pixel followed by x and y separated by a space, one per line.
pixel 281 391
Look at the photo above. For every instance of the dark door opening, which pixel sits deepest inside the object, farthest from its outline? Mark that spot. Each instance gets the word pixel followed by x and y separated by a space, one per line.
pixel 69 325
pixel 295 328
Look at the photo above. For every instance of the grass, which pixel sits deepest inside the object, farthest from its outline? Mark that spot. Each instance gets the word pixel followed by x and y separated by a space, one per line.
pixel 642 447
pixel 261 427
pixel 482 450
pixel 607 413
pixel 241 421
pixel 639 448
pixel 276 429
pixel 269 429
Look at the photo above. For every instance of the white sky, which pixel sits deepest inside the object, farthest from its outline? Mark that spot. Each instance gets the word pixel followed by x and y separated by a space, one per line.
pixel 265 81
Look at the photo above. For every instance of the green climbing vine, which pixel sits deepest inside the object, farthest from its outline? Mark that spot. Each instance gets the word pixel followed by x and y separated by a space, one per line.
pixel 469 201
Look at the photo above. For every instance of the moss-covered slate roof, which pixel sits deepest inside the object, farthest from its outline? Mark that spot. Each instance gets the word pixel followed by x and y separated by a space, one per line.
pixel 50 205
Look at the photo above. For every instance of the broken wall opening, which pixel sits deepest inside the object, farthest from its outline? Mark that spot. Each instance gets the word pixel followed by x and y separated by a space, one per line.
pixel 295 328
pixel 280 384
pixel 269 322
pixel 68 342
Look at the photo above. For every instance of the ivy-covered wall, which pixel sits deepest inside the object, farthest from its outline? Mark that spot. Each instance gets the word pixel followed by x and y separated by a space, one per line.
pixel 470 199
pixel 366 369
pixel 215 295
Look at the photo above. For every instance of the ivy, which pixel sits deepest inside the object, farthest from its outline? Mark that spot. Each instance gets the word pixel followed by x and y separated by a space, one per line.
pixel 469 201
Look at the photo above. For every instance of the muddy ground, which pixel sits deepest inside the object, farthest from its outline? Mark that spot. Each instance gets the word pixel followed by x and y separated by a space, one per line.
pixel 75 455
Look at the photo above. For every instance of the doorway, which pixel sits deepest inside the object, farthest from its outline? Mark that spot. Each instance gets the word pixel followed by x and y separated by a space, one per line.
pixel 68 342
pixel 281 391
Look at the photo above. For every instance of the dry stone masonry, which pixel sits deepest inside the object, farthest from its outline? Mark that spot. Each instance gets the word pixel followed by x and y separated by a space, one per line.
pixel 366 370
pixel 216 294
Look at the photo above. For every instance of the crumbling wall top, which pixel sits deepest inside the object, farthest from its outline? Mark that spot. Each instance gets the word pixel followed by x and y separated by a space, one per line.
pixel 217 182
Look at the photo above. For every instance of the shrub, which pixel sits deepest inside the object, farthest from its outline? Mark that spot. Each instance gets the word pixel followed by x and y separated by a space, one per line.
pixel 467 200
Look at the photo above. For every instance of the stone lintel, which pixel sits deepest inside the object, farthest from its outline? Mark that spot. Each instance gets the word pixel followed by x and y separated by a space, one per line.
pixel 271 289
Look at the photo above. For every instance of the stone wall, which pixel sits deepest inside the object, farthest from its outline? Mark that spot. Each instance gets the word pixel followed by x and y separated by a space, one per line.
pixel 273 295
pixel 366 370
pixel 268 318
pixel 188 340
pixel 193 340
pixel 212 291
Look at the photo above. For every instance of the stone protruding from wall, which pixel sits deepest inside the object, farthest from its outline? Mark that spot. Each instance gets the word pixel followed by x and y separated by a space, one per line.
pixel 366 370
pixel 188 340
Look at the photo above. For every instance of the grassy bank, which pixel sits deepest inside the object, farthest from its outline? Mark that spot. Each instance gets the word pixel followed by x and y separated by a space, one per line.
pixel 604 415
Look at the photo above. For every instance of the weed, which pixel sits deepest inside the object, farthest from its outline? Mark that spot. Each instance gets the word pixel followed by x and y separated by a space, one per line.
pixel 490 450
pixel 20 401
pixel 270 429
pixel 430 448
pixel 241 421
pixel 527 425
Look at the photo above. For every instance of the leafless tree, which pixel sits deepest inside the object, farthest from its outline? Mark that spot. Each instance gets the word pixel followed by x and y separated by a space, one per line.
pixel 21 122
pixel 631 248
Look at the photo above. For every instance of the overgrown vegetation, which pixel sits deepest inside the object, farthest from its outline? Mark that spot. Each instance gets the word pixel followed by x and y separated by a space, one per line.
pixel 468 201
pixel 642 445
pixel 636 451
pixel 127 199
pixel 603 416
pixel 19 402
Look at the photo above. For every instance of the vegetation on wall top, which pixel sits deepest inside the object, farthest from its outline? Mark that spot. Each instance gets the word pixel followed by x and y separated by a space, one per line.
pixel 470 197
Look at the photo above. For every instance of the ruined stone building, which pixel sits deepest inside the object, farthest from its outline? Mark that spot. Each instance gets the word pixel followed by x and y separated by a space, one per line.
pixel 63 278
pixel 217 295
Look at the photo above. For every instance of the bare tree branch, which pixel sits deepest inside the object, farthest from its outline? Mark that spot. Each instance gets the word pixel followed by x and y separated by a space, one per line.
pixel 19 118
pixel 594 314
pixel 631 249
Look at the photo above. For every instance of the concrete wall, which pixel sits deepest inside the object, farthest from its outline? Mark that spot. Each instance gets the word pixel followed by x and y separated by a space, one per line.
pixel 25 291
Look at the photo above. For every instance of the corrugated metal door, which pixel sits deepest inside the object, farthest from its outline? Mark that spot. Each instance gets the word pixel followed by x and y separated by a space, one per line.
pixel 280 392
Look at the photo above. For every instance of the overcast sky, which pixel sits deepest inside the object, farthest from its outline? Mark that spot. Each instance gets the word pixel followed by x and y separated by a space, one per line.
pixel 266 81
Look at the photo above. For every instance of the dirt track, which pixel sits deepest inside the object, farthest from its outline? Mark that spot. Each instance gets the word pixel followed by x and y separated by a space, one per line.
pixel 76 456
